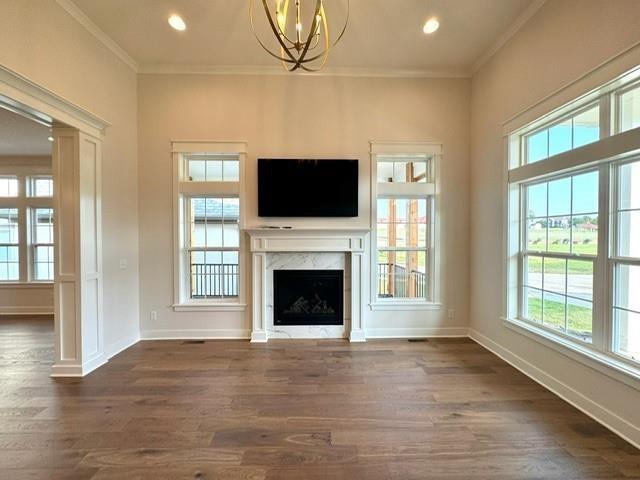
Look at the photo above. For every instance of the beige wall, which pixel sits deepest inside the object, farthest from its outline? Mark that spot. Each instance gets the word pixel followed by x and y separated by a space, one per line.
pixel 292 116
pixel 563 41
pixel 45 44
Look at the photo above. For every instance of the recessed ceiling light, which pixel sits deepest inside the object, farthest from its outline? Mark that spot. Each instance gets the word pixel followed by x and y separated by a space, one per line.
pixel 177 23
pixel 431 25
pixel 50 138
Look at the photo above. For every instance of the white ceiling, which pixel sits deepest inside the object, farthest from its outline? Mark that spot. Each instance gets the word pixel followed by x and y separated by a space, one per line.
pixel 20 136
pixel 382 35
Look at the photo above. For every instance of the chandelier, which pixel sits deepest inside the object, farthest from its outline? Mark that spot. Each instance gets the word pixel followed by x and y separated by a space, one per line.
pixel 298 50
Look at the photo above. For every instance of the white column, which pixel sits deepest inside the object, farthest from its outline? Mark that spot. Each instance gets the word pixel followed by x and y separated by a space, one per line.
pixel 358 273
pixel 259 300
pixel 77 169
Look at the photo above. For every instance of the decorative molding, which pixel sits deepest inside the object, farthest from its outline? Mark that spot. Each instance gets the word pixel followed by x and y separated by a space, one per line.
pixel 420 332
pixel 172 69
pixel 72 9
pixel 599 413
pixel 19 92
pixel 502 40
pixel 188 334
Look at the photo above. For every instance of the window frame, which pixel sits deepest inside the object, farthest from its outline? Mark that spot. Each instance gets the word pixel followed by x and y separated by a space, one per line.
pixel 428 190
pixel 606 155
pixel 183 189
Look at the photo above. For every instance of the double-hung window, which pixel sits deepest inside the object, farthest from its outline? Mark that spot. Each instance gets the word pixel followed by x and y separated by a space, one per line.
pixel 573 265
pixel 208 226
pixel 26 226
pixel 403 266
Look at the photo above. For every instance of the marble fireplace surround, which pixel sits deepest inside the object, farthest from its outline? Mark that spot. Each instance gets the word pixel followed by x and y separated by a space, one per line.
pixel 307 249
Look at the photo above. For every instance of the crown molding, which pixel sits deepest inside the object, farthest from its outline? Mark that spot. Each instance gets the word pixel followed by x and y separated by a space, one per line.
pixel 514 28
pixel 73 10
pixel 172 69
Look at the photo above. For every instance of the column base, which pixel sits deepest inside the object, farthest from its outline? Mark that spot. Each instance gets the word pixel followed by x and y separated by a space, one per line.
pixel 258 337
pixel 357 336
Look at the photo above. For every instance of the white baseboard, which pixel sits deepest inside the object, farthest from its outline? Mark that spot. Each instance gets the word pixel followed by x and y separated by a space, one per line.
pixel 425 332
pixel 212 334
pixel 599 413
pixel 116 347
pixel 64 370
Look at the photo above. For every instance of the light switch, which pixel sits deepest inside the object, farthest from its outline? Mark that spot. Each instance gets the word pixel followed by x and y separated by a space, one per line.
pixel 123 263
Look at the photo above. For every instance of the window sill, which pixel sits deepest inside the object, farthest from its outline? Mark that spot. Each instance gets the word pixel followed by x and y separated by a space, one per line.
pixel 209 307
pixel 605 364
pixel 404 305
pixel 34 284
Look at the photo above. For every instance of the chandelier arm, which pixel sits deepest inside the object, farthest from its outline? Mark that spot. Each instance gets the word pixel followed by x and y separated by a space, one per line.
pixel 275 31
pixel 312 30
pixel 330 47
pixel 291 58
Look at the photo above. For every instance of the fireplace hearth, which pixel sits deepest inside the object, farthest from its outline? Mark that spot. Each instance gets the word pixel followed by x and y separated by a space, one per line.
pixel 308 297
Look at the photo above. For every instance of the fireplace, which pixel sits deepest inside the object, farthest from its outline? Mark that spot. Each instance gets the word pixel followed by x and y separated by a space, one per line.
pixel 308 297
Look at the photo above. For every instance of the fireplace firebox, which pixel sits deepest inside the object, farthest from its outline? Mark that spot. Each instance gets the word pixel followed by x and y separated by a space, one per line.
pixel 308 297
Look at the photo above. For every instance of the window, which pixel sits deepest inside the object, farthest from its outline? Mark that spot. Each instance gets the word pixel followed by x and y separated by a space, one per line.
pixel 629 108
pixel 8 187
pixel 561 232
pixel 208 203
pixel 213 168
pixel 573 268
pixel 40 186
pixel 626 262
pixel 566 134
pixel 9 245
pixel 403 266
pixel 214 243
pixel 42 243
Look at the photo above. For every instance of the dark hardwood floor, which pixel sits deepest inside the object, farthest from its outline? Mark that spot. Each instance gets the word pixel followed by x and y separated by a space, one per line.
pixel 440 409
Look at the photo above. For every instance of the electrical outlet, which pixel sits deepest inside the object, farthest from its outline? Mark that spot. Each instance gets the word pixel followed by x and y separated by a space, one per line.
pixel 451 313
pixel 123 263
pixel 153 315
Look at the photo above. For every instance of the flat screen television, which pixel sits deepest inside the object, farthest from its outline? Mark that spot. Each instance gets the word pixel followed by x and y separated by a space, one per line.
pixel 307 188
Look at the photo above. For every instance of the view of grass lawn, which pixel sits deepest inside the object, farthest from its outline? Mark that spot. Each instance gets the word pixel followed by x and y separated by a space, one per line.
pixel 579 319
pixel 556 237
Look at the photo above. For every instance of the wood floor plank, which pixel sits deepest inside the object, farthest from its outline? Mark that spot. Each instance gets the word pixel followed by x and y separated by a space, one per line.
pixel 285 410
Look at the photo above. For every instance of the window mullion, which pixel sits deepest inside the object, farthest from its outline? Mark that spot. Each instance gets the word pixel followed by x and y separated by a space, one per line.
pixel 602 331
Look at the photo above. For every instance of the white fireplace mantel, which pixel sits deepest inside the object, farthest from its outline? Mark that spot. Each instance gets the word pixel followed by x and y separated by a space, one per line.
pixel 267 240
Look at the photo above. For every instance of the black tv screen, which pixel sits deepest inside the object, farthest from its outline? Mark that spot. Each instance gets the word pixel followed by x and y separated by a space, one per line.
pixel 307 188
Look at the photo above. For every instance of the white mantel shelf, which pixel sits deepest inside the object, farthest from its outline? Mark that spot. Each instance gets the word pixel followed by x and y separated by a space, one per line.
pixel 275 240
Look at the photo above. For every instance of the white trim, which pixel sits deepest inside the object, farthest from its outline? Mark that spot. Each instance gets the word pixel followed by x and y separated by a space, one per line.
pixel 399 305
pixel 502 40
pixel 18 92
pixel 209 307
pixel 420 332
pixel 581 353
pixel 187 334
pixel 27 310
pixel 208 146
pixel 599 413
pixel 27 285
pixel 121 345
pixel 72 9
pixel 175 69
